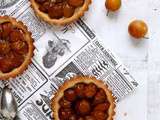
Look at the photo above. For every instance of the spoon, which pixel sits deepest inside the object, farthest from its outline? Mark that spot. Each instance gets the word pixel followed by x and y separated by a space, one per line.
pixel 8 104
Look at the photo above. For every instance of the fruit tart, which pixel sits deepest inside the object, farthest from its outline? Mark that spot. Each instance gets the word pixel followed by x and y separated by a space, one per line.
pixel 83 98
pixel 16 47
pixel 60 12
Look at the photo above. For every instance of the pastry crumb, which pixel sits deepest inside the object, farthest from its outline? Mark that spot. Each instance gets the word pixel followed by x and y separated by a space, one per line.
pixel 125 114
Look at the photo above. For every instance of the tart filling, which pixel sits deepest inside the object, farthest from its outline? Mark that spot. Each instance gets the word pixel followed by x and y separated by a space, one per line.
pixel 83 98
pixel 16 47
pixel 60 11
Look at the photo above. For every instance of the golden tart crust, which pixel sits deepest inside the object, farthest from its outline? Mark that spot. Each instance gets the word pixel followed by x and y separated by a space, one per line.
pixel 78 13
pixel 28 39
pixel 82 79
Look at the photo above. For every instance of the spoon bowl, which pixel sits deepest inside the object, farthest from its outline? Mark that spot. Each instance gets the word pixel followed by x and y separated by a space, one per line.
pixel 8 104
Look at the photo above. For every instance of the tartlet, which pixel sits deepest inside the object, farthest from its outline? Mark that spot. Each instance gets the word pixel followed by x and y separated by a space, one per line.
pixel 83 98
pixel 60 12
pixel 16 47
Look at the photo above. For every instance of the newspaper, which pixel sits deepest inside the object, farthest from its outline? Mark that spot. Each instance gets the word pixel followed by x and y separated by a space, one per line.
pixel 61 53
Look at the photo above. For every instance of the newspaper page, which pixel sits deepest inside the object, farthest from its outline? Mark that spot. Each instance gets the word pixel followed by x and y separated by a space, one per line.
pixel 61 53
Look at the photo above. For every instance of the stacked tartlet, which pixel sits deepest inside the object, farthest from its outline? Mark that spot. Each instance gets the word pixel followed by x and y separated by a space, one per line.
pixel 16 47
pixel 60 12
pixel 83 98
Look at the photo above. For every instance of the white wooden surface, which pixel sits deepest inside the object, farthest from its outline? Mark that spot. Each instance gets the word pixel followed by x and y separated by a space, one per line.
pixel 141 57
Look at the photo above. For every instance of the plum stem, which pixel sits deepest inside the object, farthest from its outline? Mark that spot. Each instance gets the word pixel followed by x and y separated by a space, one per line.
pixel 108 12
pixel 146 37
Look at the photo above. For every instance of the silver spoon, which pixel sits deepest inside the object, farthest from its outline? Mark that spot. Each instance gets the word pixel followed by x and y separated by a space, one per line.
pixel 8 104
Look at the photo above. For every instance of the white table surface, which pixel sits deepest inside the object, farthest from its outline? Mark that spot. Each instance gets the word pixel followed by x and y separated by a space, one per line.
pixel 141 57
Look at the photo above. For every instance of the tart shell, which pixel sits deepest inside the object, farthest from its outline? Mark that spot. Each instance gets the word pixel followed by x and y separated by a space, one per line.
pixel 82 79
pixel 78 13
pixel 17 71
